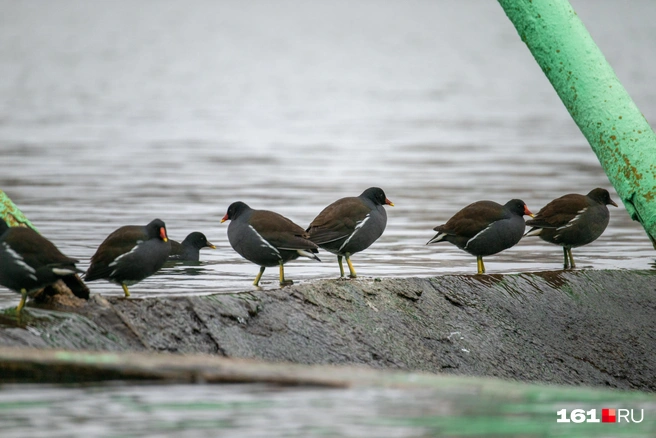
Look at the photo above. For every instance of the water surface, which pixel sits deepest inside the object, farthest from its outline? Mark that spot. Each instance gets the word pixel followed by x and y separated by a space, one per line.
pixel 117 114
pixel 114 113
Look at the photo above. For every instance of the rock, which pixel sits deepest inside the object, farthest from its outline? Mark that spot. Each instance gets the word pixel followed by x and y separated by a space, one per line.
pixel 567 327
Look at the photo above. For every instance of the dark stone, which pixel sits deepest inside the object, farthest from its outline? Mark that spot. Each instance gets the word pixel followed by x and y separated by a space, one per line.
pixel 576 327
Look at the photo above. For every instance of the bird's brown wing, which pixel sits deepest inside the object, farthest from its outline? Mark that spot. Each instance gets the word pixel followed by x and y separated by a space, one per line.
pixel 116 244
pixel 559 212
pixel 36 250
pixel 338 220
pixel 279 231
pixel 472 219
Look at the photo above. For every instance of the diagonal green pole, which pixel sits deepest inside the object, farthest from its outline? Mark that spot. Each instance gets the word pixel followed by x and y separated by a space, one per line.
pixel 617 131
pixel 11 214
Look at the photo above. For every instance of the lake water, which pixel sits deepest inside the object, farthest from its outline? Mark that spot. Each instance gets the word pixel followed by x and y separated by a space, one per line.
pixel 114 113
pixel 118 114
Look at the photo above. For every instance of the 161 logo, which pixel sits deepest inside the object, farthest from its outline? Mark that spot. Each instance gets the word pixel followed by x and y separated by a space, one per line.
pixel 607 416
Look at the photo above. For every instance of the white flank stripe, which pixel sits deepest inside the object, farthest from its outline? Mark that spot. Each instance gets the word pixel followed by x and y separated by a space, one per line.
pixel 62 271
pixel 535 232
pixel 358 226
pixel 115 262
pixel 478 234
pixel 19 260
pixel 570 223
pixel 139 242
pixel 265 243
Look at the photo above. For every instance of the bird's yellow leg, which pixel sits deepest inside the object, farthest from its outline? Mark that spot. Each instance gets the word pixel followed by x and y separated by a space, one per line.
pixel 284 282
pixel 571 258
pixel 259 275
pixel 341 267
pixel 125 289
pixel 479 265
pixel 350 265
pixel 20 306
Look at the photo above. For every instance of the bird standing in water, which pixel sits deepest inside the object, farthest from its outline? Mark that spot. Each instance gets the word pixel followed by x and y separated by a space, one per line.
pixel 189 248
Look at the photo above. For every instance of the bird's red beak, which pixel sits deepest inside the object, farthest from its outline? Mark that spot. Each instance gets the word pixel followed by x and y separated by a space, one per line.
pixel 225 218
pixel 527 211
pixel 388 202
pixel 162 234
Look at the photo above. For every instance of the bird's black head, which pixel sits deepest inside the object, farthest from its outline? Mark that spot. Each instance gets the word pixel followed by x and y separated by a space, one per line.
pixel 235 209
pixel 198 240
pixel 518 207
pixel 157 228
pixel 377 195
pixel 601 196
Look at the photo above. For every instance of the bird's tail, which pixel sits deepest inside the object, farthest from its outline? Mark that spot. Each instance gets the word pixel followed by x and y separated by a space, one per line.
pixel 437 238
pixel 311 254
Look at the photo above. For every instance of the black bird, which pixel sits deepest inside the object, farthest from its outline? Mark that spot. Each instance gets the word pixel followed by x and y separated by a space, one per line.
pixel 572 220
pixel 266 238
pixel 350 225
pixel 130 254
pixel 29 262
pixel 189 249
pixel 484 228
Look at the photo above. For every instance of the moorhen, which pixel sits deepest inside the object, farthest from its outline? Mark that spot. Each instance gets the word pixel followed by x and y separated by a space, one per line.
pixel 350 225
pixel 266 238
pixel 189 249
pixel 484 228
pixel 130 254
pixel 572 220
pixel 29 262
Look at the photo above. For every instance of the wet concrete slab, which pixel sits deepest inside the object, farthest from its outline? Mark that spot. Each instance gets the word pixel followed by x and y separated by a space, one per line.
pixel 592 328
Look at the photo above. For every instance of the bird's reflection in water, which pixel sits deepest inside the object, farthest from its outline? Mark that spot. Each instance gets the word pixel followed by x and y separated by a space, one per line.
pixel 184 268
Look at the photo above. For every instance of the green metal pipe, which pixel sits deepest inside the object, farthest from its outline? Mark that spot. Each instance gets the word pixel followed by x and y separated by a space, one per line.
pixel 617 131
pixel 11 214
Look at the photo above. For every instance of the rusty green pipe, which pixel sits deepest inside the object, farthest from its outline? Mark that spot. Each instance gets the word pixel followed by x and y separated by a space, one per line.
pixel 617 131
pixel 11 214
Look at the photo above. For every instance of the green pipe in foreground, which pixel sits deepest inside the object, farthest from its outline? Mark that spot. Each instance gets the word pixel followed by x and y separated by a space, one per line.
pixel 617 131
pixel 11 214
